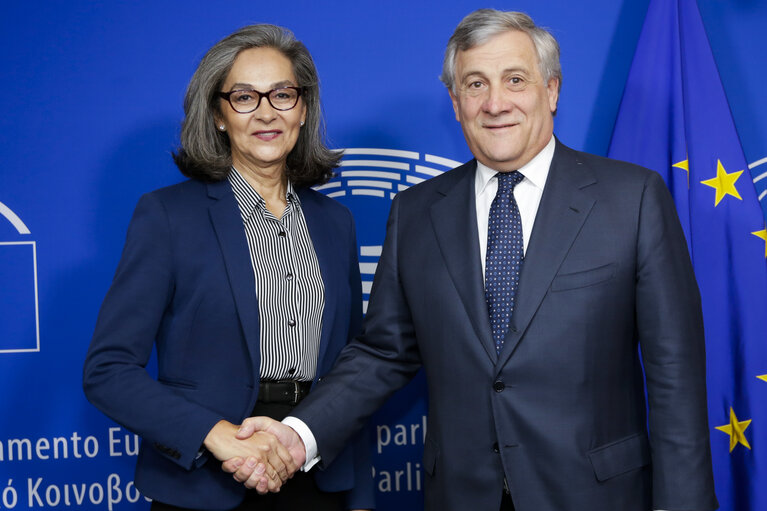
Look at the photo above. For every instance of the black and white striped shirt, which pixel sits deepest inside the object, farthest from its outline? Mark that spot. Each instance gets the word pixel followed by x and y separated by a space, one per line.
pixel 289 287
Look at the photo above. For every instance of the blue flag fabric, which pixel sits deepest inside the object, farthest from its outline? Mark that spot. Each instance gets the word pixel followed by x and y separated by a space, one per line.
pixel 674 118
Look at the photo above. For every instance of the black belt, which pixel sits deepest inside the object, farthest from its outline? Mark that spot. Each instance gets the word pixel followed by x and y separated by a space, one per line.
pixel 289 392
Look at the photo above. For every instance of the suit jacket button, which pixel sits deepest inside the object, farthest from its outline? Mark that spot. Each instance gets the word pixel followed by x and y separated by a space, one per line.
pixel 495 448
pixel 499 386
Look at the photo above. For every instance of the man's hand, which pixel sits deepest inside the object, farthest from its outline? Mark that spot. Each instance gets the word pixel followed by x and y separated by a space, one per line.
pixel 246 473
pixel 268 462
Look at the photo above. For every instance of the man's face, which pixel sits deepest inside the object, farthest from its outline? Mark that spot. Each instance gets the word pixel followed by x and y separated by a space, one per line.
pixel 504 106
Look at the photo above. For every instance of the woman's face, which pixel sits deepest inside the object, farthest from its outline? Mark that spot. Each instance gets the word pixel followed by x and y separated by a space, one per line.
pixel 261 140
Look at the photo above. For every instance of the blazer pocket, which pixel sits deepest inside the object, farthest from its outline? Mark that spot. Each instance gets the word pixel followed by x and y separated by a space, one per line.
pixel 430 455
pixel 619 457
pixel 583 278
pixel 179 384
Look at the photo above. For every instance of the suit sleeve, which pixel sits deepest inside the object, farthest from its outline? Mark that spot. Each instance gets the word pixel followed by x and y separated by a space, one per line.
pixel 114 376
pixel 362 495
pixel 670 331
pixel 372 367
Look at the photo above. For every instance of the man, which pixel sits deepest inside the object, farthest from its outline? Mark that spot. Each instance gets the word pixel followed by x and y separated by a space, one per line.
pixel 536 389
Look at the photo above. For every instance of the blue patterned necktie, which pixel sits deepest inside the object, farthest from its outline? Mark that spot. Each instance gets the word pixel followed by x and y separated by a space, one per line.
pixel 505 253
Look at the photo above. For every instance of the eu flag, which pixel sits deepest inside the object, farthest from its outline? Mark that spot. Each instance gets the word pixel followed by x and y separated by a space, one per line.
pixel 674 118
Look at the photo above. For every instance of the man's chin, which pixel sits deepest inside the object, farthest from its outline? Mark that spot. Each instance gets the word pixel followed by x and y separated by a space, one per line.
pixel 501 162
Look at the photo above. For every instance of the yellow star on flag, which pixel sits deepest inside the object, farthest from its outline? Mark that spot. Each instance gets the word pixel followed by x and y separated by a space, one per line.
pixel 762 377
pixel 736 429
pixel 684 165
pixel 762 234
pixel 723 183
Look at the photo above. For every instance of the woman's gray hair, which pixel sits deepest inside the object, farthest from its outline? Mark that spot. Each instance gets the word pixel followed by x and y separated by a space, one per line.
pixel 205 153
pixel 483 24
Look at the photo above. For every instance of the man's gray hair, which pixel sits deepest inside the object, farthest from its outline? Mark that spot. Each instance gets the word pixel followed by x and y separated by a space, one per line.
pixel 483 24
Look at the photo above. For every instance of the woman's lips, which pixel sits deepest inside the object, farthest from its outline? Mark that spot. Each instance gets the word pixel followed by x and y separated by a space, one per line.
pixel 267 134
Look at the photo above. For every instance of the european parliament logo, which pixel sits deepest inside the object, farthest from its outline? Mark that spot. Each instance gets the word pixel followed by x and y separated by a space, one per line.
pixel 19 328
pixel 759 175
pixel 366 183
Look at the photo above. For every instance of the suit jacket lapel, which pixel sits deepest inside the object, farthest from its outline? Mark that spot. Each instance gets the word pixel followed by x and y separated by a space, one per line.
pixel 564 207
pixel 454 217
pixel 322 239
pixel 227 222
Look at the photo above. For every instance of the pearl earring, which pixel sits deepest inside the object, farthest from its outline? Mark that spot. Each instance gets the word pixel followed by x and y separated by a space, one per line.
pixel 222 127
pixel 302 123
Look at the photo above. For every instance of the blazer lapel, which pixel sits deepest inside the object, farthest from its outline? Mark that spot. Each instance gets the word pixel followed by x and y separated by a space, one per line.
pixel 322 239
pixel 564 207
pixel 454 218
pixel 227 222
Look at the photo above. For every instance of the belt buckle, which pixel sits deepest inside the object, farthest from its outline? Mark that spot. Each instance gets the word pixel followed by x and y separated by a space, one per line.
pixel 296 392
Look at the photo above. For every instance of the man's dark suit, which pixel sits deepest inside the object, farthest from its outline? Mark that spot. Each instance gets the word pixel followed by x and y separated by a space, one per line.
pixel 186 280
pixel 561 412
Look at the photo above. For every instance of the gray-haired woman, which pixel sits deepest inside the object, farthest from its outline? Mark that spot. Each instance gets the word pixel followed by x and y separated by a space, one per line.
pixel 246 281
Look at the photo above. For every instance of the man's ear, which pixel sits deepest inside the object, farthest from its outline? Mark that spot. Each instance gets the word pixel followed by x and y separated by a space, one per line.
pixel 456 104
pixel 552 89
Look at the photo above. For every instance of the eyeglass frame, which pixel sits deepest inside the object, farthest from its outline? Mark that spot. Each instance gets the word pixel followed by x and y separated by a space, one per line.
pixel 227 96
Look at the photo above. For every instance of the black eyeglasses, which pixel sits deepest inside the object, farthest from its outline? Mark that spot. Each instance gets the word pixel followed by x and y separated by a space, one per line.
pixel 247 100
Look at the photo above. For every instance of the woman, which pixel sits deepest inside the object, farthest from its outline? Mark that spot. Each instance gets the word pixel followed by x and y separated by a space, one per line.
pixel 245 279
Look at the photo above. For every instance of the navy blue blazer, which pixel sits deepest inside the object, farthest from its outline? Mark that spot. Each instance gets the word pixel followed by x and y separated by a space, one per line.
pixel 185 283
pixel 560 413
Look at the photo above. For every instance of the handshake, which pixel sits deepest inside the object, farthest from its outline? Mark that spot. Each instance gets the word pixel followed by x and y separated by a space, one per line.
pixel 261 453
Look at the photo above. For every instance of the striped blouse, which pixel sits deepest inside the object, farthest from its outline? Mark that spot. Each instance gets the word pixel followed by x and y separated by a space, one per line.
pixel 288 283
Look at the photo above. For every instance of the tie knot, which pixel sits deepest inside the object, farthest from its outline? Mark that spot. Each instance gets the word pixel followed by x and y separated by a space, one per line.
pixel 508 180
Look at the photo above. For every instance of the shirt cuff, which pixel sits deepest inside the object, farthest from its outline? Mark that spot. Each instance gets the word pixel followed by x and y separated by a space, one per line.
pixel 310 444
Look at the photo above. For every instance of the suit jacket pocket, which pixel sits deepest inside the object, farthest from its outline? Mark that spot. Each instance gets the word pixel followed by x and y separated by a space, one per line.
pixel 619 457
pixel 583 278
pixel 430 455
pixel 178 383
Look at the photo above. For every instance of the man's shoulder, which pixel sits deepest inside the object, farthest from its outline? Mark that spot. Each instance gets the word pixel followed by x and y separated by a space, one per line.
pixel 441 183
pixel 603 168
pixel 597 161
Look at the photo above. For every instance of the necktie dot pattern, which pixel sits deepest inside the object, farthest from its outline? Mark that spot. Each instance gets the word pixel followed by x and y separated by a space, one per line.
pixel 504 256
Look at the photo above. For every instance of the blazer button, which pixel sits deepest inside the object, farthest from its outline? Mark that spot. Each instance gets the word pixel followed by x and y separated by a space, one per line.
pixel 498 386
pixel 495 448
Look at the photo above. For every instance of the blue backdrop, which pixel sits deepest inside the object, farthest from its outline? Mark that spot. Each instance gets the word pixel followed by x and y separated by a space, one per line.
pixel 91 97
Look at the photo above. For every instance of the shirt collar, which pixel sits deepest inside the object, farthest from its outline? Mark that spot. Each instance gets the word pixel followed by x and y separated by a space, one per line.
pixel 249 200
pixel 536 170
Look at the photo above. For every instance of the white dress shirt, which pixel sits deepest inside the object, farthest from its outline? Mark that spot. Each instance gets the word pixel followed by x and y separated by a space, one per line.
pixel 527 194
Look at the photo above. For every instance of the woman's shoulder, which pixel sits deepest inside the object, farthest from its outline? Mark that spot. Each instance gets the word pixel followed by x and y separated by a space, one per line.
pixel 319 199
pixel 186 188
pixel 190 191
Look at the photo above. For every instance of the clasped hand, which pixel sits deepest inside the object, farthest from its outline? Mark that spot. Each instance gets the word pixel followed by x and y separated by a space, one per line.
pixel 261 453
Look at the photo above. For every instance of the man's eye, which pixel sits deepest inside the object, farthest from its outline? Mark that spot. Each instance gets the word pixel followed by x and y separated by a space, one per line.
pixel 475 85
pixel 517 83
